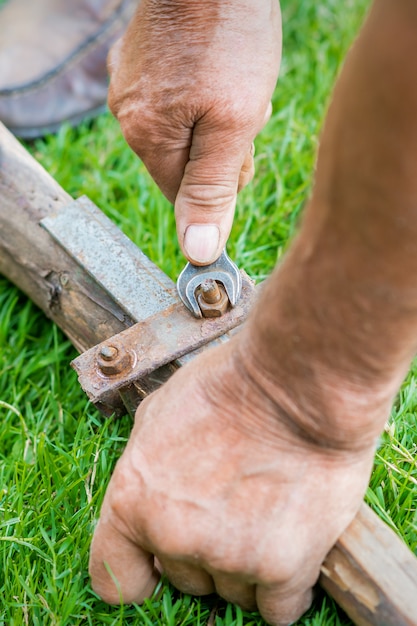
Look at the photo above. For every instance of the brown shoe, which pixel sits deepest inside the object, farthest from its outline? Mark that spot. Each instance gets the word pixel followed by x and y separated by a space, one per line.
pixel 53 60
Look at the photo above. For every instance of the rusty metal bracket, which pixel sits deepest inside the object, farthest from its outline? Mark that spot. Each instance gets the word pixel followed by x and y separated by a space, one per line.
pixel 136 284
pixel 133 354
pixel 166 335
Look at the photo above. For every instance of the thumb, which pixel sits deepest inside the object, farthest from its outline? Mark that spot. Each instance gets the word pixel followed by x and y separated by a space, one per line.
pixel 120 570
pixel 206 199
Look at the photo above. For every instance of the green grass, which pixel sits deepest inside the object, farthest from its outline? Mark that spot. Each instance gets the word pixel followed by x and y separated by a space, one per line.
pixel 57 452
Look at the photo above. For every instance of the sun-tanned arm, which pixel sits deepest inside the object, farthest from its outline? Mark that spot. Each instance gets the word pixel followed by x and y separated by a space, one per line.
pixel 341 310
pixel 243 470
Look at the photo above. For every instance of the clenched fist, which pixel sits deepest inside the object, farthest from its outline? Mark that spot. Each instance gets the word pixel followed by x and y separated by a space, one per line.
pixel 191 83
pixel 216 486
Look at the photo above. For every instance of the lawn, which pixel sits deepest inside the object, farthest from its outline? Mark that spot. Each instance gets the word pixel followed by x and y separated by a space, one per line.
pixel 57 452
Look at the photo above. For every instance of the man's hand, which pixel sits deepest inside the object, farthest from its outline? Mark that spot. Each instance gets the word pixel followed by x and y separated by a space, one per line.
pixel 216 486
pixel 245 468
pixel 191 83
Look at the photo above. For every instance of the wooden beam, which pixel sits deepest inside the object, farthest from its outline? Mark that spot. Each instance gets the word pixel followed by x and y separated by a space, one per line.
pixel 370 572
pixel 31 259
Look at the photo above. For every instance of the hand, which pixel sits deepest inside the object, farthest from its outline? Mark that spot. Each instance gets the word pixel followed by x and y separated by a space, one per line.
pixel 191 83
pixel 215 484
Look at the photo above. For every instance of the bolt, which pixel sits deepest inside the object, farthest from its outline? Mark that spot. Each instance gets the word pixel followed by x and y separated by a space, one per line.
pixel 108 352
pixel 210 291
pixel 113 360
pixel 212 299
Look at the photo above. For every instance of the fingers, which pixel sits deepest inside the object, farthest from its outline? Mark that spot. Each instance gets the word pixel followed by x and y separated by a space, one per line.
pixel 280 608
pixel 187 578
pixel 277 606
pixel 120 570
pixel 199 167
pixel 235 591
pixel 248 169
pixel 163 148
pixel 268 114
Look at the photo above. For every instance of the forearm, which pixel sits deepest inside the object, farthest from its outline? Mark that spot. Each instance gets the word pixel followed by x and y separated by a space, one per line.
pixel 337 323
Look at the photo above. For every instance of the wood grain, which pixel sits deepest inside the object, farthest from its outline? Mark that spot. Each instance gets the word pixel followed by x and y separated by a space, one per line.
pixel 31 259
pixel 370 572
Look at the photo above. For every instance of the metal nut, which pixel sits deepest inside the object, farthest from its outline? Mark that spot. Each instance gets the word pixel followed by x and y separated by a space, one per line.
pixel 212 299
pixel 113 360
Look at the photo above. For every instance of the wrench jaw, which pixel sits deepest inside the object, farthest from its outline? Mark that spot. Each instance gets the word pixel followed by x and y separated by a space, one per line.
pixel 223 271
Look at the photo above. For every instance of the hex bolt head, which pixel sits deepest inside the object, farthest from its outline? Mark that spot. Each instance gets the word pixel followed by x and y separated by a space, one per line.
pixel 212 299
pixel 112 360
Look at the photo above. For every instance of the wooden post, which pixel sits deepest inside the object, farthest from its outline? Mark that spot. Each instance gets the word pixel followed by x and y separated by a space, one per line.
pixel 31 259
pixel 370 572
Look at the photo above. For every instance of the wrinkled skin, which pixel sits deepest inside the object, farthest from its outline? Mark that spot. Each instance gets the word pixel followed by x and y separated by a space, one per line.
pixel 191 84
pixel 215 485
pixel 243 470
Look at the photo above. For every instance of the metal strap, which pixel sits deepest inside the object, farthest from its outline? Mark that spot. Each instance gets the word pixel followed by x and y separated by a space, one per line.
pixel 138 286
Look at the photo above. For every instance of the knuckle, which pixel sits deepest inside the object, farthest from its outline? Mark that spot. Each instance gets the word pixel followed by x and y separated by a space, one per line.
pixel 248 165
pixel 213 195
pixel 113 102
pixel 244 179
pixel 136 124
pixel 118 498
pixel 234 114
pixel 140 128
pixel 239 119
pixel 167 544
pixel 113 58
pixel 284 610
pixel 279 569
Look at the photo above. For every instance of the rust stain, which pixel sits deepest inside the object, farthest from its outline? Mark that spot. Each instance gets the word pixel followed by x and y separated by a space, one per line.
pixel 160 339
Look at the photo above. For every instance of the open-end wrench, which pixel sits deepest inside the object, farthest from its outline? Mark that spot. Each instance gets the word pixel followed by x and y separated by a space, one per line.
pixel 223 271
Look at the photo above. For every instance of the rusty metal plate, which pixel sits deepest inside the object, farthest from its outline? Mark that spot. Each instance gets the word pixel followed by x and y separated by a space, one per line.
pixel 158 340
pixel 138 286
